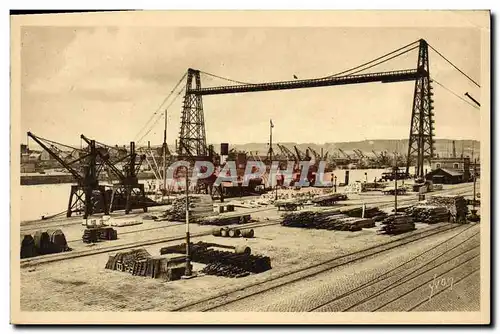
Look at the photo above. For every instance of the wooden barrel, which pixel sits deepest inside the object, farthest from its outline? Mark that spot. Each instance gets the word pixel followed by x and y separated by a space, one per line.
pixel 58 240
pixel 217 232
pixel 242 250
pixel 233 233
pixel 224 232
pixel 28 248
pixel 42 242
pixel 248 233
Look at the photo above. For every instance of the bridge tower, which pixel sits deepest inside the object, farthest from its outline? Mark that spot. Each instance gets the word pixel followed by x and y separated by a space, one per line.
pixel 192 139
pixel 421 140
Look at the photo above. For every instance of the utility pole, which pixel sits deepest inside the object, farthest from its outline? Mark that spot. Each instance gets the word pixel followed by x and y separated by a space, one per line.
pixel 271 126
pixel 396 185
pixel 165 157
pixel 188 272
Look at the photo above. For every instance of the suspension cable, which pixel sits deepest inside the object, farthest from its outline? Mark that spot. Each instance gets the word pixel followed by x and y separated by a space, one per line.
pixel 56 143
pixel 161 105
pixel 371 61
pixel 452 92
pixel 383 61
pixel 449 62
pixel 161 114
pixel 231 80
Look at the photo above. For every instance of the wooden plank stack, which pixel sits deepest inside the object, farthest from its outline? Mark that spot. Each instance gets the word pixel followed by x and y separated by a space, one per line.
pixel 373 212
pixel 226 270
pixel 224 220
pixel 397 224
pixel 327 220
pixel 430 214
pixel 200 206
pixel 139 262
pixel 456 205
pixel 95 234
pixel 329 199
pixel 222 261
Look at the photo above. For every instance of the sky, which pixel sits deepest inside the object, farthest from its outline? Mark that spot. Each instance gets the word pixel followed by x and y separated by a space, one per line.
pixel 107 82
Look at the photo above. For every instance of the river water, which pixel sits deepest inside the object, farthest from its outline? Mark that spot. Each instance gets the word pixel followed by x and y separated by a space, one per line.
pixel 49 199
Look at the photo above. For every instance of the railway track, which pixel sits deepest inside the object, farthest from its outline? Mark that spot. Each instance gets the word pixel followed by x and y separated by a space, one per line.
pixel 82 253
pixel 392 285
pixel 232 296
pixel 86 252
pixel 42 226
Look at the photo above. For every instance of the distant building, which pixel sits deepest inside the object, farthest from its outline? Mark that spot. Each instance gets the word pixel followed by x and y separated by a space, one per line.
pixel 45 156
pixel 28 168
pixel 445 176
pixel 451 170
pixel 34 157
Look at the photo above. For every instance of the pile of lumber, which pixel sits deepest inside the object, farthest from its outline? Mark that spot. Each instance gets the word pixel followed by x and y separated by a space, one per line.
pixel 203 253
pixel 330 199
pixel 327 221
pixel 139 262
pixel 200 206
pixel 224 220
pixel 226 270
pixel 95 234
pixel 397 224
pixel 374 212
pixel 43 242
pixel 306 218
pixel 125 223
pixel 456 205
pixel 430 214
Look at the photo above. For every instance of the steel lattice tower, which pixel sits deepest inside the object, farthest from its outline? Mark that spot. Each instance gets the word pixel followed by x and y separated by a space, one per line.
pixel 421 141
pixel 192 139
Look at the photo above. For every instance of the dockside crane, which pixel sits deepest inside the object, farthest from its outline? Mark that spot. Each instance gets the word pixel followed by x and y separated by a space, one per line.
pixel 302 156
pixel 347 156
pixel 87 196
pixel 128 190
pixel 287 153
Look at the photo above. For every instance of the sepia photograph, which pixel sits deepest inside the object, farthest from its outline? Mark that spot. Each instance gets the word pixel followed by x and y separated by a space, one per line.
pixel 255 167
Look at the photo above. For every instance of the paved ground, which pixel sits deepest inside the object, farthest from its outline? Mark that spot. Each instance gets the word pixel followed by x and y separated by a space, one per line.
pixel 82 284
pixel 436 274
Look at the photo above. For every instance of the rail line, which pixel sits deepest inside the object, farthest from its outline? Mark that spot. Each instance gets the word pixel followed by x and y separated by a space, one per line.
pixel 393 278
pixel 33 229
pixel 469 259
pixel 280 280
pixel 77 254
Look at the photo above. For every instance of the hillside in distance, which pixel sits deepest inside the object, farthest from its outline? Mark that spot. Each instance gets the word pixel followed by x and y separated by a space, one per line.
pixel 444 147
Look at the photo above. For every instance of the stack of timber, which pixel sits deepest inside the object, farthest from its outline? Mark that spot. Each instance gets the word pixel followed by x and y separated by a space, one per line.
pixel 374 212
pixel 397 224
pixel 139 262
pixel 226 270
pixel 224 220
pixel 430 214
pixel 327 221
pixel 200 206
pixel 289 204
pixel 221 261
pixel 93 235
pixel 456 205
pixel 43 242
pixel 328 200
